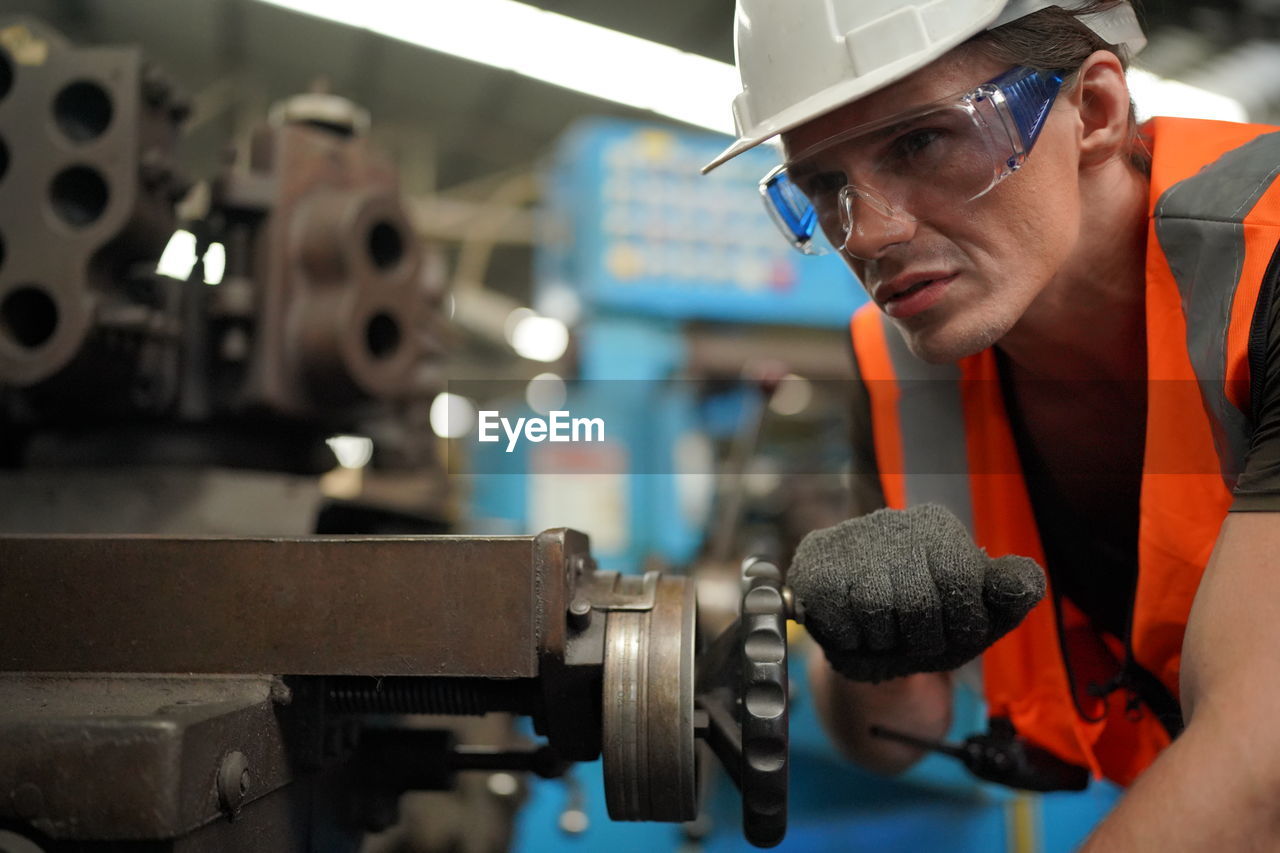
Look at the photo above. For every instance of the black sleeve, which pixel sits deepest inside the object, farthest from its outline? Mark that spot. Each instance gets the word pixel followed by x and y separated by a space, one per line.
pixel 1258 488
pixel 864 476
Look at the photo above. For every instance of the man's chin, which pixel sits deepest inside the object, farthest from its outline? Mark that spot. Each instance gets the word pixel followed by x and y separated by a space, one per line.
pixel 946 346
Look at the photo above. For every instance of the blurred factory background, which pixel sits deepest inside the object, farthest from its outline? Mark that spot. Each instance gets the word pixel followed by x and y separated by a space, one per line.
pixel 471 140
pixel 562 252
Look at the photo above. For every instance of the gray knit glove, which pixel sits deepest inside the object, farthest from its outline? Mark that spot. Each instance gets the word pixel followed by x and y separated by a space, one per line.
pixel 904 591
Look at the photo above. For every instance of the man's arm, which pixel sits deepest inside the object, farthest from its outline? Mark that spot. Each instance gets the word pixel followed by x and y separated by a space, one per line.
pixel 1218 786
pixel 916 704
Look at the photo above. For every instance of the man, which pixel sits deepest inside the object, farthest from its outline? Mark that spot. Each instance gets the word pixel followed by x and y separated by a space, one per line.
pixel 1074 346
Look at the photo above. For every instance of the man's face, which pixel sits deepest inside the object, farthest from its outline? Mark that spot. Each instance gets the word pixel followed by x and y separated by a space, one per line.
pixel 958 279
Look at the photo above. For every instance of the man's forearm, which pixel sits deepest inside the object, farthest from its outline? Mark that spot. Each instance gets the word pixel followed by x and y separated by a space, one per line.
pixel 1218 786
pixel 918 704
pixel 1215 788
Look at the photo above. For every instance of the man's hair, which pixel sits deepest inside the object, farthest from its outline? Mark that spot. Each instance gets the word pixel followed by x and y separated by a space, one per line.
pixel 1053 39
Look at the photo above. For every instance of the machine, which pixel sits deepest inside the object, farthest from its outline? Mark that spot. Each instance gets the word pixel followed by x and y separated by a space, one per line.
pixel 230 681
pixel 258 694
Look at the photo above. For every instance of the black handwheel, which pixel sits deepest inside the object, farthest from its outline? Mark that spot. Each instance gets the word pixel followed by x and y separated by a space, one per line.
pixel 742 699
pixel 763 712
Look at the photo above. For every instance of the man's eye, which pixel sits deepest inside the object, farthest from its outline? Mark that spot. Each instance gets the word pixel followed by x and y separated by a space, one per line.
pixel 914 143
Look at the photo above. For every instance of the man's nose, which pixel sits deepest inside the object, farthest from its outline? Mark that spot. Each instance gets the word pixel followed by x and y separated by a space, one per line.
pixel 872 231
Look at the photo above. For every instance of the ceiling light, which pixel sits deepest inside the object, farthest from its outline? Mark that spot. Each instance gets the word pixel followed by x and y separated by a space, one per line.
pixel 351 451
pixel 452 416
pixel 179 256
pixel 518 37
pixel 215 263
pixel 545 393
pixel 513 320
pixel 540 338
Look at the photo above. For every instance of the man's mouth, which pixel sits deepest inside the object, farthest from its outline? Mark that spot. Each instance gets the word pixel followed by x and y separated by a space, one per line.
pixel 915 288
pixel 920 296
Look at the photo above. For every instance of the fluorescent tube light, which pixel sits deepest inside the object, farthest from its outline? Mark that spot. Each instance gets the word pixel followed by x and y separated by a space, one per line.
pixel 625 69
pixel 553 48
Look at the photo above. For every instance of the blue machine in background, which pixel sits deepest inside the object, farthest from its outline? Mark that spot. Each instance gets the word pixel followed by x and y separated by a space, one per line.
pixel 634 244
pixel 634 230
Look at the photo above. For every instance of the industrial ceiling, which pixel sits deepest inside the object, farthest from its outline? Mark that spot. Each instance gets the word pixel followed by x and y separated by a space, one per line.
pixel 459 129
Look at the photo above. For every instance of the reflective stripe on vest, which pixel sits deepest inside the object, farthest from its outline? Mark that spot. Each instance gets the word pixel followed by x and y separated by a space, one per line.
pixel 1214 232
pixel 942 435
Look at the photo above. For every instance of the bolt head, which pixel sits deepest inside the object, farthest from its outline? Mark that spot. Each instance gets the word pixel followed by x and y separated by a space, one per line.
pixel 233 782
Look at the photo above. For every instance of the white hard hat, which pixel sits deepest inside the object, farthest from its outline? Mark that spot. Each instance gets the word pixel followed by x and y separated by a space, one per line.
pixel 799 59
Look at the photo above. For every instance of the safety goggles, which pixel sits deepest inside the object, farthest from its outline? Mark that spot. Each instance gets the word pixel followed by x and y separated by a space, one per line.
pixel 912 165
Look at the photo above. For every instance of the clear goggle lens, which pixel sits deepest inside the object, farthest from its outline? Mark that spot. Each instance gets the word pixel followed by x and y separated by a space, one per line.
pixel 912 166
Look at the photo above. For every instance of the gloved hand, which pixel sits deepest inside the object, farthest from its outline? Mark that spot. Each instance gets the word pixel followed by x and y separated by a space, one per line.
pixel 904 591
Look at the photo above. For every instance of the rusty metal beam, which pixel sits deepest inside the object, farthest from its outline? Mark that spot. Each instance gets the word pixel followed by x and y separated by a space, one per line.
pixel 441 606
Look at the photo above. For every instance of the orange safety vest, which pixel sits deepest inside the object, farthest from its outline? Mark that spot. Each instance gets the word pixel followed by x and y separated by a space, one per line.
pixel 941 434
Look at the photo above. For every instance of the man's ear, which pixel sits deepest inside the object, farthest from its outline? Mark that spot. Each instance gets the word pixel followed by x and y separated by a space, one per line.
pixel 1101 95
